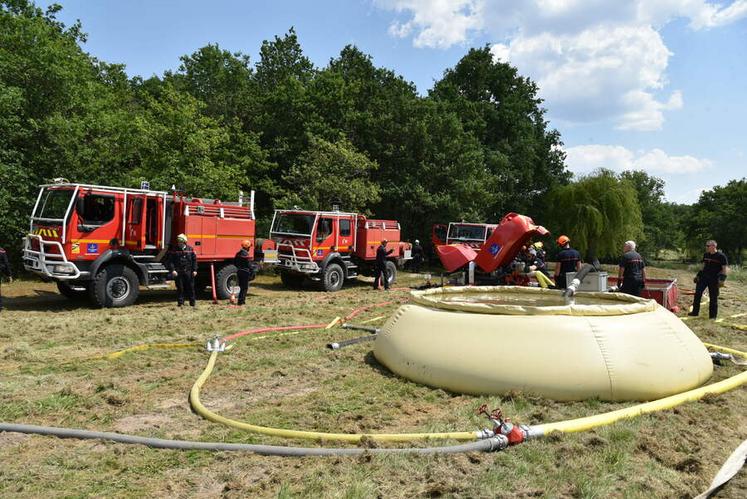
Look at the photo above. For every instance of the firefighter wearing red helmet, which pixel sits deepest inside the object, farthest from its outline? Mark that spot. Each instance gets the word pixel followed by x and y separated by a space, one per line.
pixel 569 260
pixel 244 269
pixel 181 262
pixel 4 271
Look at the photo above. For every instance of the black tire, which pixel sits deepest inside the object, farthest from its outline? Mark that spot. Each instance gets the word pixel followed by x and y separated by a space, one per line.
pixel 115 286
pixel 226 282
pixel 333 277
pixel 291 280
pixel 66 289
pixel 391 272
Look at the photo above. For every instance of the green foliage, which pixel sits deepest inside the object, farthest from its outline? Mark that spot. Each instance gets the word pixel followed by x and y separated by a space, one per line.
pixel 599 213
pixel 721 214
pixel 661 228
pixel 330 173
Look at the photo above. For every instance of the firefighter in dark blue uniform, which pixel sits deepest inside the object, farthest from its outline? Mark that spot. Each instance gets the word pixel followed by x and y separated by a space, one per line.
pixel 244 269
pixel 181 261
pixel 4 271
pixel 712 277
pixel 380 268
pixel 632 275
pixel 569 260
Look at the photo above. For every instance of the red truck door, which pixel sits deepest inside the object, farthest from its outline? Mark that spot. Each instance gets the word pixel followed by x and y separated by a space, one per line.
pixel 324 237
pixel 136 222
pixel 346 239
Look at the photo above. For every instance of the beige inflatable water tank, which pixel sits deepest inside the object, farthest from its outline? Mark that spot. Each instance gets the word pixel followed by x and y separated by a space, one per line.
pixel 494 340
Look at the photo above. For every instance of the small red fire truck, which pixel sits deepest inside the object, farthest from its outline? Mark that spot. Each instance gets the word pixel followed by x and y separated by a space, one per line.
pixel 329 247
pixel 473 235
pixel 105 242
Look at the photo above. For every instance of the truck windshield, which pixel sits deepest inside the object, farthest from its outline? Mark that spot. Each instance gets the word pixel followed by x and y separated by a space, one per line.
pixel 53 204
pixel 467 232
pixel 294 223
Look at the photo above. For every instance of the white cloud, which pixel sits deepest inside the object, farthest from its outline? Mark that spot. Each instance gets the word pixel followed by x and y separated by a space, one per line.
pixel 436 23
pixel 584 159
pixel 594 60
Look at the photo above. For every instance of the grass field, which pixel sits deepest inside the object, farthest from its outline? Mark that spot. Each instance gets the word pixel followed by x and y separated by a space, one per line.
pixel 50 375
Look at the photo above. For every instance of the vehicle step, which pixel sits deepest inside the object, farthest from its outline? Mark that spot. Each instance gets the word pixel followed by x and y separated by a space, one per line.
pixel 158 286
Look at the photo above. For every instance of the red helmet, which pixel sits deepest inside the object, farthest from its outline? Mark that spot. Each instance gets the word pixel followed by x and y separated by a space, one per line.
pixel 563 240
pixel 246 244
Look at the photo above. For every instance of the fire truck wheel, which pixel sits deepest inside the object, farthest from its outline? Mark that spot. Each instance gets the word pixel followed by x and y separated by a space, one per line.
pixel 391 272
pixel 68 291
pixel 226 282
pixel 333 277
pixel 115 286
pixel 291 280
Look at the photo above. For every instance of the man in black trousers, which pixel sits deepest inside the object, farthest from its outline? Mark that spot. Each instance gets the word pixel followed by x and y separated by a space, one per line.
pixel 712 277
pixel 181 261
pixel 380 268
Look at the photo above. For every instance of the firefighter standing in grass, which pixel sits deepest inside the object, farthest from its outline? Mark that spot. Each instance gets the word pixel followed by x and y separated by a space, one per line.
pixel 569 260
pixel 244 269
pixel 380 268
pixel 632 275
pixel 417 256
pixel 713 277
pixel 4 271
pixel 181 261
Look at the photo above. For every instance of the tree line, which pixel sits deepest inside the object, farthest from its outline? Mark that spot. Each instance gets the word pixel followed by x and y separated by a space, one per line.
pixel 350 133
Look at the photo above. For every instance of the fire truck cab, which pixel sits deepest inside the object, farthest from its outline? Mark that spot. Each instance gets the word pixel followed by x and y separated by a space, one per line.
pixel 473 235
pixel 330 247
pixel 106 242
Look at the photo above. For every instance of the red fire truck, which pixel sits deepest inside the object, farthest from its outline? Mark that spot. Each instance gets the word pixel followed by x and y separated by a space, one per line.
pixel 106 242
pixel 329 247
pixel 473 235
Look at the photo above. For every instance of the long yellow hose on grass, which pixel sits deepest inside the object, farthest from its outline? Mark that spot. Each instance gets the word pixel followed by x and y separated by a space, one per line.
pixel 569 426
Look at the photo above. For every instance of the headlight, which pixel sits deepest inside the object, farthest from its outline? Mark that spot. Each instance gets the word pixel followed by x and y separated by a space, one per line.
pixel 61 269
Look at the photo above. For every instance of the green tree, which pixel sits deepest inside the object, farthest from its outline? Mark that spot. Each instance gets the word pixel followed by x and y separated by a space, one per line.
pixel 502 110
pixel 599 212
pixel 660 227
pixel 330 173
pixel 721 214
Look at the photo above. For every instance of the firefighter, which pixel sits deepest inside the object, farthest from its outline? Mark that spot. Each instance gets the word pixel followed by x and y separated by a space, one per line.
pixel 632 275
pixel 417 256
pixel 4 271
pixel 380 268
pixel 569 260
pixel 539 258
pixel 245 269
pixel 181 261
pixel 713 277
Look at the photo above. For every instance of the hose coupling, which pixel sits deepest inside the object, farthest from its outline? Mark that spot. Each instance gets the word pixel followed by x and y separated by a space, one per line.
pixel 484 433
pixel 498 443
pixel 216 345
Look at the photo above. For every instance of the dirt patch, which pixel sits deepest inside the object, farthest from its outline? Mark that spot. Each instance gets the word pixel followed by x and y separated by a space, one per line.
pixel 140 422
pixel 9 439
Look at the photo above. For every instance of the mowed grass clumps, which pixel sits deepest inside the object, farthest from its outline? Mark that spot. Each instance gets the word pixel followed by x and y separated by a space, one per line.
pixel 52 373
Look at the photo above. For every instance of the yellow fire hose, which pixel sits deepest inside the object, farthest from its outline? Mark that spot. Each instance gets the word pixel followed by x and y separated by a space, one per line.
pixel 569 426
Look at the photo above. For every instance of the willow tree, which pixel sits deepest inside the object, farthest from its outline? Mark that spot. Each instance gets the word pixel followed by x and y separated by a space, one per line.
pixel 599 212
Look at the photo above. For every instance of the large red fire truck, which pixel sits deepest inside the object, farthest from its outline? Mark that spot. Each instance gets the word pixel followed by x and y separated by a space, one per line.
pixel 106 242
pixel 330 247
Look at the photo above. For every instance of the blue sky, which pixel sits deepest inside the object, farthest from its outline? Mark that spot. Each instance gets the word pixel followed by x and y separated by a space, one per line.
pixel 656 85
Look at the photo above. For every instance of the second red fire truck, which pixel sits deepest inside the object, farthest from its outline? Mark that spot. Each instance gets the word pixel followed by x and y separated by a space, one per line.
pixel 330 247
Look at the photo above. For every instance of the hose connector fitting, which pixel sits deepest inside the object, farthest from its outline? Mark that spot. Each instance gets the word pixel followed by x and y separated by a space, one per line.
pixel 216 345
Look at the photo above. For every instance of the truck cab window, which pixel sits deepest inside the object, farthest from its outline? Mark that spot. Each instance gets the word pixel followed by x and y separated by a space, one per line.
pixel 344 227
pixel 323 229
pixel 96 209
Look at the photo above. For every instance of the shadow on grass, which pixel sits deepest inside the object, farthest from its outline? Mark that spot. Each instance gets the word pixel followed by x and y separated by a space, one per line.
pixel 49 301
pixel 371 361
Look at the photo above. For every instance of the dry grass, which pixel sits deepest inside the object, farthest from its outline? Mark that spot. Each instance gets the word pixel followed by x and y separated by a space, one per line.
pixel 48 376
